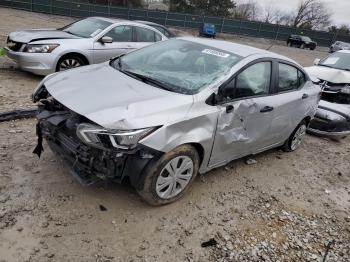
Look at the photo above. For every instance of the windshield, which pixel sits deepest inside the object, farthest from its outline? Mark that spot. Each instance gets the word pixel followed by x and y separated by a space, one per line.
pixel 181 66
pixel 306 38
pixel 86 28
pixel 337 60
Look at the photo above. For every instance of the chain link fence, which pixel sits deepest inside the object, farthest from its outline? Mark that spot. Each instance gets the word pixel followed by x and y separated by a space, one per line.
pixel 85 8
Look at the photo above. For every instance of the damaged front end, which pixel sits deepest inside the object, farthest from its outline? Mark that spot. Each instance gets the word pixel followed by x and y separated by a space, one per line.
pixel 91 152
pixel 332 118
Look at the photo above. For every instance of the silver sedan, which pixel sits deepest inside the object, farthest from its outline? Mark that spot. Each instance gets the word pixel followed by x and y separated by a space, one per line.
pixel 88 41
pixel 162 114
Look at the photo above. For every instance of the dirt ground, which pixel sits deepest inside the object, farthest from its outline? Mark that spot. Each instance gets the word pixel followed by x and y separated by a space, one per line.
pixel 286 207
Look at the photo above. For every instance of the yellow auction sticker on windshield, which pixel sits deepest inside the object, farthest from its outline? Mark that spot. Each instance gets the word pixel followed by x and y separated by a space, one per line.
pixel 216 53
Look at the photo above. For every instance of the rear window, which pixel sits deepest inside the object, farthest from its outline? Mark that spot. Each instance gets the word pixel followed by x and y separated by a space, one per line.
pixel 144 35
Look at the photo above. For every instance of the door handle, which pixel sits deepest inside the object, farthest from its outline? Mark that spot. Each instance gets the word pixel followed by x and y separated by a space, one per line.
pixel 229 108
pixel 266 109
pixel 305 96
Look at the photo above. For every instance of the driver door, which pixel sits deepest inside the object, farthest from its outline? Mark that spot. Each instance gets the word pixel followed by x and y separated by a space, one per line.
pixel 122 36
pixel 246 113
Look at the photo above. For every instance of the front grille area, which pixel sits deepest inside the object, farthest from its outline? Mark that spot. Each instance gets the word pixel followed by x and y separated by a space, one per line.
pixel 86 163
pixel 14 46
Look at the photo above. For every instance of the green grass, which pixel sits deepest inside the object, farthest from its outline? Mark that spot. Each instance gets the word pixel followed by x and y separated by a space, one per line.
pixel 2 52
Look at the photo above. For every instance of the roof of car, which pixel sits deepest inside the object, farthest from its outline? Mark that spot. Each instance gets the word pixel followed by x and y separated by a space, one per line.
pixel 344 51
pixel 148 23
pixel 242 50
pixel 110 20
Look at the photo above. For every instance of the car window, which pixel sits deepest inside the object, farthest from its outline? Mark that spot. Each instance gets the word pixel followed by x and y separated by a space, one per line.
pixel 253 81
pixel 144 35
pixel 86 28
pixel 158 37
pixel 121 33
pixel 289 78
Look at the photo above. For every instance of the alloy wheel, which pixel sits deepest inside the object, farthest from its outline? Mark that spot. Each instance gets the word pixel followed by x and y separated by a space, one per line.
pixel 174 177
pixel 298 137
pixel 69 63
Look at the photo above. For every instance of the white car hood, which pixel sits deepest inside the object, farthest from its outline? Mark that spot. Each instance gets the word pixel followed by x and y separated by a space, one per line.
pixel 336 76
pixel 114 100
pixel 28 36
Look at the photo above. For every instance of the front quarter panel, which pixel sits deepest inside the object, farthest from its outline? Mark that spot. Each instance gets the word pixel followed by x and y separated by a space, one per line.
pixel 198 128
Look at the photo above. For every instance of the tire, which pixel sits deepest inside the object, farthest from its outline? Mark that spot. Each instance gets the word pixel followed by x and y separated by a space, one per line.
pixel 69 62
pixel 156 187
pixel 298 134
pixel 312 48
pixel 289 44
pixel 302 46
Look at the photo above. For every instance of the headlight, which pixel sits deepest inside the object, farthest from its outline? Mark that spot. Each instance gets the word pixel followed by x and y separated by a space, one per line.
pixel 102 138
pixel 45 48
pixel 345 90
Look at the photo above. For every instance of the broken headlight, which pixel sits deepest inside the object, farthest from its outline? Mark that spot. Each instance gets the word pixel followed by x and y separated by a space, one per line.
pixel 45 48
pixel 103 138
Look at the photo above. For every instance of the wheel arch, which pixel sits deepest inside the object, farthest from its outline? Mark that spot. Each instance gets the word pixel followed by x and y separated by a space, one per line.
pixel 73 53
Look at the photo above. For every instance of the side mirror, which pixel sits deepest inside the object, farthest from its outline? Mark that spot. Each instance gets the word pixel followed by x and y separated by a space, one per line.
pixel 106 40
pixel 212 100
pixel 317 61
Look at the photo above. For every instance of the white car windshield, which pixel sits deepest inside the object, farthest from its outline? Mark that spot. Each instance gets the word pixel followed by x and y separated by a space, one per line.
pixel 178 65
pixel 86 28
pixel 337 60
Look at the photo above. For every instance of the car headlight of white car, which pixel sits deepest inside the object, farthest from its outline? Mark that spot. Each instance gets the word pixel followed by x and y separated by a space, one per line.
pixel 345 90
pixel 103 138
pixel 40 48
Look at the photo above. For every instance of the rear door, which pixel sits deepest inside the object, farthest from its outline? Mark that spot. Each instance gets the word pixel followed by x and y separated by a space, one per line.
pixel 290 100
pixel 123 42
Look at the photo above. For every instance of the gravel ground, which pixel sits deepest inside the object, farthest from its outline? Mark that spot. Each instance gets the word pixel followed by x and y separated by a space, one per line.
pixel 286 207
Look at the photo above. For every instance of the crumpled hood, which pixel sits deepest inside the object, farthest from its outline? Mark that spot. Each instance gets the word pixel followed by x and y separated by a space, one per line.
pixel 39 34
pixel 336 76
pixel 114 100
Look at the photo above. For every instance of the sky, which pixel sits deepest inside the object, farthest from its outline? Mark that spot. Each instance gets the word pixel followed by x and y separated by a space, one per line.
pixel 340 8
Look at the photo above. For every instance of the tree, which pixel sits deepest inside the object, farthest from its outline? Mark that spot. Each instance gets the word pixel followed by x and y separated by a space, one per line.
pixel 311 14
pixel 342 29
pixel 249 10
pixel 203 7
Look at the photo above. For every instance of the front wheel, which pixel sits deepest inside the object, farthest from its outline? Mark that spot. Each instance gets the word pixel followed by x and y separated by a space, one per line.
pixel 296 138
pixel 169 178
pixel 69 62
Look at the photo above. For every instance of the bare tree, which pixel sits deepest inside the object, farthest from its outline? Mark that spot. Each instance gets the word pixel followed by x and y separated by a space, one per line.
pixel 248 10
pixel 311 14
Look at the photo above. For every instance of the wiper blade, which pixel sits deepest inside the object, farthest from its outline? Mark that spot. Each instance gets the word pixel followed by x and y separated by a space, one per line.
pixel 145 79
pixel 326 65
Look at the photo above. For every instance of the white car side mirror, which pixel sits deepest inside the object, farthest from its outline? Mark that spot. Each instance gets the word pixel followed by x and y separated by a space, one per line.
pixel 317 61
pixel 107 40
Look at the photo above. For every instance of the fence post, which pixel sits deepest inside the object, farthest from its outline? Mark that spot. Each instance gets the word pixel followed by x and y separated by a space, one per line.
pixel 185 20
pixel 259 30
pixel 240 27
pixel 222 24
pixel 109 8
pixel 31 5
pixel 166 18
pixel 51 7
pixel 335 35
pixel 129 13
pixel 277 32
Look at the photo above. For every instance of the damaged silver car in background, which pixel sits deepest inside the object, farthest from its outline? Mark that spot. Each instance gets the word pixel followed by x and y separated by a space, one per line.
pixel 160 115
pixel 333 115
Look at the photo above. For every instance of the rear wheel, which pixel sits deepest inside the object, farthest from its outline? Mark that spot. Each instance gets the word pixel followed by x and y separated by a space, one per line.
pixel 296 138
pixel 169 178
pixel 69 62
